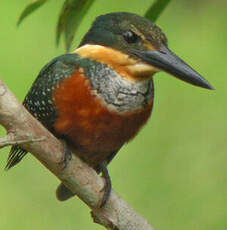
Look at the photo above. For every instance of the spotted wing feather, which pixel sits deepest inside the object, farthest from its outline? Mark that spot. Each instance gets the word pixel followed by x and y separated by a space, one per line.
pixel 39 100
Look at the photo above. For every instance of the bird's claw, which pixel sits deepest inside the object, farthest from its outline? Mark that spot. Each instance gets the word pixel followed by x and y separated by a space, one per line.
pixel 67 154
pixel 107 187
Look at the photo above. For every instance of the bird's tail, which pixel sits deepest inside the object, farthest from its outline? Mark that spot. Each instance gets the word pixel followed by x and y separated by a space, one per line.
pixel 63 193
pixel 15 156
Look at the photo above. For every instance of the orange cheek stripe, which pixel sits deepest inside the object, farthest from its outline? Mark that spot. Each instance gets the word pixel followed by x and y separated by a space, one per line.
pixel 120 62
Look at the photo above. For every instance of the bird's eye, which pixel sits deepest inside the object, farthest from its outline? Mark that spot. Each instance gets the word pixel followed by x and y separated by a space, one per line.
pixel 130 37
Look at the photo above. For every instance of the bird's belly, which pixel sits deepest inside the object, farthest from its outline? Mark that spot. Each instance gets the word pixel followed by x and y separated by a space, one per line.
pixel 95 136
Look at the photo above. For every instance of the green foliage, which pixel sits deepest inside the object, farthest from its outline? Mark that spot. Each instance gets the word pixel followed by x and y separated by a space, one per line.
pixel 73 11
pixel 31 7
pixel 156 9
pixel 71 15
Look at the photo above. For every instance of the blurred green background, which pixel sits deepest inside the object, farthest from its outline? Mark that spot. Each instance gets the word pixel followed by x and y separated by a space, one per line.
pixel 174 172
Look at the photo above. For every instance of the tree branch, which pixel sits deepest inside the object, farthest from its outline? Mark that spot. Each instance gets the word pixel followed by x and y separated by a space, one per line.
pixel 22 128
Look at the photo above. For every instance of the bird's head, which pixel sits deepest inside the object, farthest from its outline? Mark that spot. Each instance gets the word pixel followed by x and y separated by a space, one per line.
pixel 135 46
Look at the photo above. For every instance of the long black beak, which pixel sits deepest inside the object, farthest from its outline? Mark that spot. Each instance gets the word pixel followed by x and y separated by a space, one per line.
pixel 167 61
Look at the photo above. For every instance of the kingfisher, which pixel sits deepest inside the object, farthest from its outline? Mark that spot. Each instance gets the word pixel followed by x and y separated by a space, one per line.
pixel 98 97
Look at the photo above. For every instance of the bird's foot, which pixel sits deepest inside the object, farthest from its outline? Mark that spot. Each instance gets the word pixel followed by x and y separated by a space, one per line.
pixel 107 187
pixel 67 154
